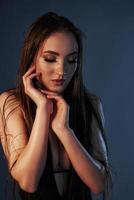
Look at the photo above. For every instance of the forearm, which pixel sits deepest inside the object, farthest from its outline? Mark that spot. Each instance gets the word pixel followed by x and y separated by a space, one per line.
pixel 88 169
pixel 31 162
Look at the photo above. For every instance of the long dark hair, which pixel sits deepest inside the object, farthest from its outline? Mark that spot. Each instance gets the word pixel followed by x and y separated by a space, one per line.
pixel 83 104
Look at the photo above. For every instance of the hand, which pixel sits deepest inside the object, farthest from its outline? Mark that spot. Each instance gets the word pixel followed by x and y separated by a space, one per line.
pixel 59 119
pixel 35 94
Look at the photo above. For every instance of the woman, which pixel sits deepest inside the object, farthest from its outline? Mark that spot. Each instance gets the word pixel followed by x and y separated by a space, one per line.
pixel 52 128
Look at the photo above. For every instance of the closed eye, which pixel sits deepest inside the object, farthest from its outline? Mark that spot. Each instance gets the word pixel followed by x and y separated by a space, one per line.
pixel 48 60
pixel 70 61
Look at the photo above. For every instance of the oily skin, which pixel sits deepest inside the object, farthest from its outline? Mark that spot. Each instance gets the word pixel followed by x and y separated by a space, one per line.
pixel 55 66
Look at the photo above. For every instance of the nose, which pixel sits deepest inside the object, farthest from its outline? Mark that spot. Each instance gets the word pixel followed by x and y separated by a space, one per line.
pixel 61 69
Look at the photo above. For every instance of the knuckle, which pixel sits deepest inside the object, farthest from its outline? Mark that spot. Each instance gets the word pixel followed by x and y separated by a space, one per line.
pixel 23 76
pixel 27 90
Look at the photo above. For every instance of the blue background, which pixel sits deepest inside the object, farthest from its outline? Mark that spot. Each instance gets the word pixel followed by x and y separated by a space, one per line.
pixel 108 69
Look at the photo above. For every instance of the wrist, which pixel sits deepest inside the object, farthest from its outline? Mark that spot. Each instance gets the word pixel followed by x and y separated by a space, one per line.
pixel 62 131
pixel 42 107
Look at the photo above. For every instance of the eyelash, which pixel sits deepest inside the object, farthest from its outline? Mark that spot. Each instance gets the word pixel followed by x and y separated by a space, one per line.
pixel 47 60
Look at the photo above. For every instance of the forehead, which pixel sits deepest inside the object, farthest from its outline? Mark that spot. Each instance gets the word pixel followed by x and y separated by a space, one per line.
pixel 62 42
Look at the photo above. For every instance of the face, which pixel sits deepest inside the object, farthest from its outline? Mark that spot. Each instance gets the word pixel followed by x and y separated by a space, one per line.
pixel 57 59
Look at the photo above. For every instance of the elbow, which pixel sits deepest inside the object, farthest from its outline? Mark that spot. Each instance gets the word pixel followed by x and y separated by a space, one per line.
pixel 26 183
pixel 99 187
pixel 98 190
pixel 28 186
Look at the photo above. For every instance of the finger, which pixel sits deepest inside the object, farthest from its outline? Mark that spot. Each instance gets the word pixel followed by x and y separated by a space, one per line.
pixel 43 91
pixel 50 93
pixel 28 80
pixel 33 75
pixel 54 97
pixel 30 70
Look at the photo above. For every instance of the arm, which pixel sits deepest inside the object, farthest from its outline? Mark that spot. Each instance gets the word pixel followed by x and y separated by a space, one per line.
pixel 88 169
pixel 31 162
pixel 26 172
pixel 91 171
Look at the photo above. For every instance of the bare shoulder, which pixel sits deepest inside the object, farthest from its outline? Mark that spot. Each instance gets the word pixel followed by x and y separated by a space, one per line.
pixel 5 94
pixel 8 101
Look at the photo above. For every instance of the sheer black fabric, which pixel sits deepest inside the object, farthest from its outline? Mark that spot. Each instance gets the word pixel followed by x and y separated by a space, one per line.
pixel 47 188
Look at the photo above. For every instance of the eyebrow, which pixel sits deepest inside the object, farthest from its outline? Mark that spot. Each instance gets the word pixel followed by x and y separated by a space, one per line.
pixel 56 53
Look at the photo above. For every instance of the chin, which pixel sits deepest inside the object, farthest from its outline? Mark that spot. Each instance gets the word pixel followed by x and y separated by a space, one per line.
pixel 56 91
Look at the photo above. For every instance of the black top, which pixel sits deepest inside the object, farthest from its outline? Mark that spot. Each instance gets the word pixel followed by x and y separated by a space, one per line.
pixel 47 188
pixel 76 189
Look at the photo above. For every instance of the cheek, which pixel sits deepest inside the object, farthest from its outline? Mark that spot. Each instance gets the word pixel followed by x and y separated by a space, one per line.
pixel 71 70
pixel 44 69
pixel 46 74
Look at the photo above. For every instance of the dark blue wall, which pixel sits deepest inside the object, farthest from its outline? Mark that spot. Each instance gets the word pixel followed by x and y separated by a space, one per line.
pixel 108 68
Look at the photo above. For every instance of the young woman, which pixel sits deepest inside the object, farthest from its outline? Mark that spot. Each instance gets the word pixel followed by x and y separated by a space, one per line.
pixel 52 127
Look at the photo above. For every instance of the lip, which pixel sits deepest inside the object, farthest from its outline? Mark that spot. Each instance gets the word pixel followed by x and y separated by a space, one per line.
pixel 58 81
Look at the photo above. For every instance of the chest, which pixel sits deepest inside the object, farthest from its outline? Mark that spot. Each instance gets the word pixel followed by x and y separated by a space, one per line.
pixel 60 161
